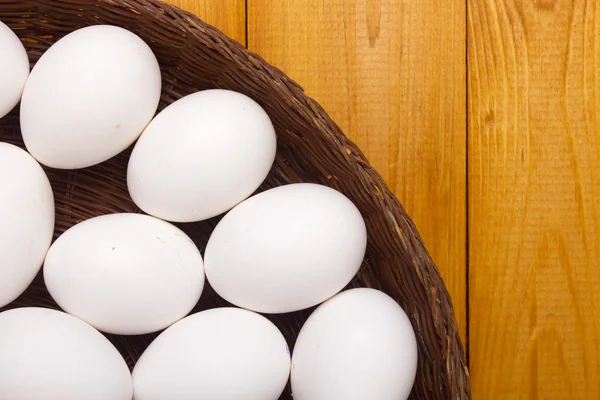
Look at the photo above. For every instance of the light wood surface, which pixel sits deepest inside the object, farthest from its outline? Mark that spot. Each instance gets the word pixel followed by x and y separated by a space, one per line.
pixel 227 15
pixel 534 199
pixel 393 74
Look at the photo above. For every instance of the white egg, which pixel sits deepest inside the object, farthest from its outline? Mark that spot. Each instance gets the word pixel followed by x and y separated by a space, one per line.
pixel 47 354
pixel 14 69
pixel 219 354
pixel 26 220
pixel 286 249
pixel 201 156
pixel 359 345
pixel 126 274
pixel 89 97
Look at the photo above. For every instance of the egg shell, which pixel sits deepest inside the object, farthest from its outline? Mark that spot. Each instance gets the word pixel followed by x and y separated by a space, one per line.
pixel 219 354
pixel 89 97
pixel 126 274
pixel 14 69
pixel 201 156
pixel 47 354
pixel 286 249
pixel 359 345
pixel 26 220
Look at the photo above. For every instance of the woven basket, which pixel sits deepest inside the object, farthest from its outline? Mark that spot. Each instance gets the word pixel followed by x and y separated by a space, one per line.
pixel 311 148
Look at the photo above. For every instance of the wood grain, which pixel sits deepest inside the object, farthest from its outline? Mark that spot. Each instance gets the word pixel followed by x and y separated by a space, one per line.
pixel 392 75
pixel 227 15
pixel 534 198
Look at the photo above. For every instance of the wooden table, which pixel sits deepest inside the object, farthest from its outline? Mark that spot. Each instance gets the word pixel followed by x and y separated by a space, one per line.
pixel 484 117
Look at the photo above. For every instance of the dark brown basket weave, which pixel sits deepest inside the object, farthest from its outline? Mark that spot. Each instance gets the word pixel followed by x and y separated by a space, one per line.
pixel 311 148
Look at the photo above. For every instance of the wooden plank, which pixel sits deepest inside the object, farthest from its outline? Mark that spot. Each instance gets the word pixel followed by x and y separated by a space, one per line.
pixel 227 15
pixel 392 75
pixel 534 198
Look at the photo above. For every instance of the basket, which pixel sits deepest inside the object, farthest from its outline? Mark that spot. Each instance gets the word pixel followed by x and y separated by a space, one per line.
pixel 311 148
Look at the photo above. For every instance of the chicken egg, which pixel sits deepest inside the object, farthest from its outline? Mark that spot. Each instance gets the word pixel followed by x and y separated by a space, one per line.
pixel 14 69
pixel 26 220
pixel 218 354
pixel 126 274
pixel 359 345
pixel 47 354
pixel 286 249
pixel 89 97
pixel 201 156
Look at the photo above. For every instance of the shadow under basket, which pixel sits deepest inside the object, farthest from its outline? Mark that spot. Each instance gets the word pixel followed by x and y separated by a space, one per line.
pixel 311 148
